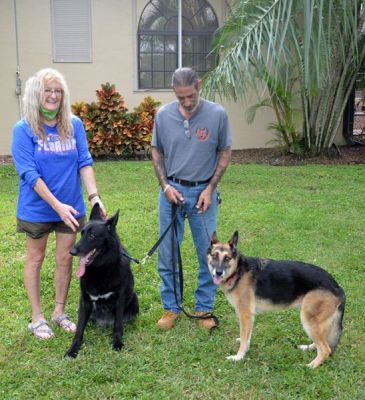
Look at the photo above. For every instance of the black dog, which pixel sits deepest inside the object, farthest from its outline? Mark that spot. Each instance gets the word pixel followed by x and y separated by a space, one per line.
pixel 106 280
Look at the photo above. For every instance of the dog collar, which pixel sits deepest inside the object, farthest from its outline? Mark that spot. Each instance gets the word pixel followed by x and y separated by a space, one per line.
pixel 231 280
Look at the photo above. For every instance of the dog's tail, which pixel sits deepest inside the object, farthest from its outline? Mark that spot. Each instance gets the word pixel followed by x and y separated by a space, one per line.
pixel 335 332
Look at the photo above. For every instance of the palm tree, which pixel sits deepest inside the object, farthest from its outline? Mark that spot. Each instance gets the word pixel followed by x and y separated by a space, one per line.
pixel 264 44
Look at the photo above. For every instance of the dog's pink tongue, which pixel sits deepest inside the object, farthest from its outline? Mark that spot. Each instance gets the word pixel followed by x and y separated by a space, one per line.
pixel 217 279
pixel 82 266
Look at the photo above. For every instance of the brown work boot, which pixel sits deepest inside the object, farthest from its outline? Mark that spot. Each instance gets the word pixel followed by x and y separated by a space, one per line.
pixel 207 323
pixel 167 320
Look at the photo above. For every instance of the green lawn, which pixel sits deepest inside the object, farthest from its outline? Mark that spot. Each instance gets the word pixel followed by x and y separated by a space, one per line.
pixel 312 213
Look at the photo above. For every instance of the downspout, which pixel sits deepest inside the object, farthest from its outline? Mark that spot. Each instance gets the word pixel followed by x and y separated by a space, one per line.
pixel 18 81
pixel 179 34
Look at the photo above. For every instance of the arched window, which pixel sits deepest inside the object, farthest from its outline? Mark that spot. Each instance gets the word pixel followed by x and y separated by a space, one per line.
pixel 158 49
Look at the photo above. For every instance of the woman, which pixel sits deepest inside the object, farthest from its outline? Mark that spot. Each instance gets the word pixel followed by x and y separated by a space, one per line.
pixel 50 154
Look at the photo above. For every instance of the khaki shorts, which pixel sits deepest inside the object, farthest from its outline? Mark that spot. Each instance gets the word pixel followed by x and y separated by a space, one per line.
pixel 36 230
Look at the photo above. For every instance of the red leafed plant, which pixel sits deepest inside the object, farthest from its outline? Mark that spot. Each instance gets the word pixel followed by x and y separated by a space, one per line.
pixel 111 129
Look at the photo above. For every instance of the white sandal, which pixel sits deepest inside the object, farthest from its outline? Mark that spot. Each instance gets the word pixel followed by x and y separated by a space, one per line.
pixel 64 322
pixel 41 328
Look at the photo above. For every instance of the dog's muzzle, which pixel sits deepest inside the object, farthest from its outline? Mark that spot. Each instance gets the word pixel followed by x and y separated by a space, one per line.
pixel 217 276
pixel 74 251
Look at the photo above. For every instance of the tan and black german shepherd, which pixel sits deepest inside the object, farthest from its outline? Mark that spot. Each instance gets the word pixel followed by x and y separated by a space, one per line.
pixel 253 284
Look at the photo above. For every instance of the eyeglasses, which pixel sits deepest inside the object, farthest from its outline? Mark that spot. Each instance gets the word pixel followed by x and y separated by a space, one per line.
pixel 49 92
pixel 187 129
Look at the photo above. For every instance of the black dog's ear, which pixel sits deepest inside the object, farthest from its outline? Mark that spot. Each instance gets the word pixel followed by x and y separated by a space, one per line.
pixel 234 240
pixel 112 221
pixel 214 238
pixel 95 212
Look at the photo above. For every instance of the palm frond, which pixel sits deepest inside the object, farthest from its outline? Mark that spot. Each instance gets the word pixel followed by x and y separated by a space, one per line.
pixel 246 41
pixel 264 41
pixel 251 111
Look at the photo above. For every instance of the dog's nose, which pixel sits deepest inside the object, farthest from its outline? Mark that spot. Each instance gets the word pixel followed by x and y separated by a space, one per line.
pixel 74 251
pixel 219 272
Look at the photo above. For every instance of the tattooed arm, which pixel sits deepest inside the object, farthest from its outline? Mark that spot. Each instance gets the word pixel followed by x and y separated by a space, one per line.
pixel 224 157
pixel 159 166
pixel 205 198
pixel 158 163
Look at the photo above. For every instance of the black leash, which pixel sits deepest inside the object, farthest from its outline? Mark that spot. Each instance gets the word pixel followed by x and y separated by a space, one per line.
pixel 173 227
pixel 177 252
pixel 154 247
pixel 135 260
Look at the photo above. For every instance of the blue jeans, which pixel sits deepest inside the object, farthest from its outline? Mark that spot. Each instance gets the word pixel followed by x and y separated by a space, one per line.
pixel 201 225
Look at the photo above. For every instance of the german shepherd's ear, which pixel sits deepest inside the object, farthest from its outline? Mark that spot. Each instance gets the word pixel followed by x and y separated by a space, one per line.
pixel 95 212
pixel 233 241
pixel 214 238
pixel 112 221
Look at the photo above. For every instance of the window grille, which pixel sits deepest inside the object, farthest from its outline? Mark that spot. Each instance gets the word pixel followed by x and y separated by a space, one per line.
pixel 158 50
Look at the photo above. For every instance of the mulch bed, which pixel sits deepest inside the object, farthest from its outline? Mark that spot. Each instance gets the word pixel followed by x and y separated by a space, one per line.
pixel 272 156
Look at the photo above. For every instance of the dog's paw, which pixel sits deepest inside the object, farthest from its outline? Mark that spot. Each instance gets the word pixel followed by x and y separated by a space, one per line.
pixel 117 345
pixel 235 358
pixel 316 362
pixel 307 347
pixel 312 365
pixel 71 354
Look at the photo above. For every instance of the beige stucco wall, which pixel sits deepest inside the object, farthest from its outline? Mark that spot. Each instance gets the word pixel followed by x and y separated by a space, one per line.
pixel 114 25
pixel 8 100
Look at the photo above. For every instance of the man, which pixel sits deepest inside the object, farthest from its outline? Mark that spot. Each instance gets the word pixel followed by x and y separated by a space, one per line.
pixel 190 153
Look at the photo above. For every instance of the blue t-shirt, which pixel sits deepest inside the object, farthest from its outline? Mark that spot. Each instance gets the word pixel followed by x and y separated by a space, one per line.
pixel 57 163
pixel 190 147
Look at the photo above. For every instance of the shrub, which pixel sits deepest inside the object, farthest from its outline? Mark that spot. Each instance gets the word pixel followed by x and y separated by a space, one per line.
pixel 111 129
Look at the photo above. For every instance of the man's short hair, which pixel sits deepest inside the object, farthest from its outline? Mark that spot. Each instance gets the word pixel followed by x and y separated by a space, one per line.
pixel 185 77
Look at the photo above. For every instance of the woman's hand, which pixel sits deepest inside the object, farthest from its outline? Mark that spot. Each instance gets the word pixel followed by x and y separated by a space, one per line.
pixel 67 214
pixel 95 200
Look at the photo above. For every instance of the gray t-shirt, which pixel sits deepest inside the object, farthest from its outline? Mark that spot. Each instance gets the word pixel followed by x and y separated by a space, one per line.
pixel 190 147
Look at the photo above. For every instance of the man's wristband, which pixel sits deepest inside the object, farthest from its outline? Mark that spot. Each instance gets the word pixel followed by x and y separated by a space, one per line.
pixel 166 187
pixel 93 195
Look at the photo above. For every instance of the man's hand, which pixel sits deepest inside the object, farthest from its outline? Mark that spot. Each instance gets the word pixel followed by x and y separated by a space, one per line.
pixel 173 195
pixel 205 199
